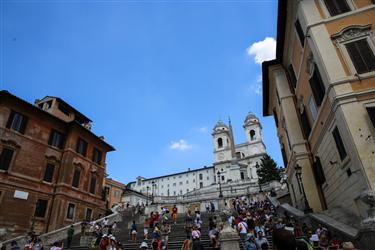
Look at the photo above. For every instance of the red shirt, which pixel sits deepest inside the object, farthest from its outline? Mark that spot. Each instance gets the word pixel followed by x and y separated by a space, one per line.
pixel 174 210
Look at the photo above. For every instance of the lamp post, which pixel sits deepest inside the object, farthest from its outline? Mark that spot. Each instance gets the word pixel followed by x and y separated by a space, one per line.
pixel 298 169
pixel 147 195
pixel 218 177
pixel 260 186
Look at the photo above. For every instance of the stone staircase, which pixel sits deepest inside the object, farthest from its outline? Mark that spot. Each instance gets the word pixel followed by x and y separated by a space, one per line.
pixel 176 238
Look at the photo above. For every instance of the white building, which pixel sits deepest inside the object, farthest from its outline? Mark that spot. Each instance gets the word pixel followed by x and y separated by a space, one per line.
pixel 235 163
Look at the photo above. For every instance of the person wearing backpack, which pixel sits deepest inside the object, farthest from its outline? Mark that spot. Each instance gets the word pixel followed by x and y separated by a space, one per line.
pixel 133 231
pixel 242 229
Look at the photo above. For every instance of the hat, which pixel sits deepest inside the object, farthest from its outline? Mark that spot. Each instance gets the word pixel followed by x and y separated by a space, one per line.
pixel 143 244
pixel 314 238
pixel 348 246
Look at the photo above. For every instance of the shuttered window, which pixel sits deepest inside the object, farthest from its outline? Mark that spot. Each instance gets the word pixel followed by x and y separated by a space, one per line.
pixel 40 208
pixel 319 173
pixel 305 125
pixel 371 113
pixel 17 122
pixel 336 7
pixel 48 174
pixel 299 31
pixel 339 143
pixel 5 158
pixel 292 76
pixel 317 86
pixel 76 177
pixel 56 139
pixel 70 211
pixel 93 185
pixel 81 146
pixel 97 156
pixel 361 55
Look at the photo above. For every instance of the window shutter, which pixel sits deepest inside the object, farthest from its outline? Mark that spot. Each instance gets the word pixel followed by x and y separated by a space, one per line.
pixel 317 86
pixel 336 7
pixel 371 114
pixel 10 119
pixel 5 158
pixel 368 54
pixel 283 153
pixel 23 124
pixel 62 141
pixel 339 143
pixel 300 33
pixel 305 125
pixel 319 173
pixel 48 175
pixel 357 59
pixel 292 75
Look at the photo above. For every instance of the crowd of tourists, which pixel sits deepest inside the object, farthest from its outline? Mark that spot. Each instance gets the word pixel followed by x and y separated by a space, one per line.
pixel 257 221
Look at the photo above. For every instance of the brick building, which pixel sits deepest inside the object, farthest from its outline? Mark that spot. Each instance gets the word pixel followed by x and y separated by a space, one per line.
pixel 52 166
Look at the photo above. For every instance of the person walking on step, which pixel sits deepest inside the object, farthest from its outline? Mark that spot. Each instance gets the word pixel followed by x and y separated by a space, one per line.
pixel 165 231
pixel 133 232
pixel 70 236
pixel 145 229
pixel 174 214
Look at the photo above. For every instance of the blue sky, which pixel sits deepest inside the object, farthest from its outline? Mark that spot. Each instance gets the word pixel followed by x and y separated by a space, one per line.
pixel 154 76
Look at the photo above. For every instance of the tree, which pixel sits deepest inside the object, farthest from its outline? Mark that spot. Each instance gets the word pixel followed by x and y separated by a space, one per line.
pixel 268 170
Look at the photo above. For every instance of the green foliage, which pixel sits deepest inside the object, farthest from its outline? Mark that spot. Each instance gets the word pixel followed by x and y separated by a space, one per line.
pixel 268 170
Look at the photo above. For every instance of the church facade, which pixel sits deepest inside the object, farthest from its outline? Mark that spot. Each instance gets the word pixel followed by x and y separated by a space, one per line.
pixel 233 163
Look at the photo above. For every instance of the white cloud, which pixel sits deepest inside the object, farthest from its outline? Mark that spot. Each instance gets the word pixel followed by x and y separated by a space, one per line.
pixel 180 145
pixel 257 87
pixel 203 129
pixel 263 50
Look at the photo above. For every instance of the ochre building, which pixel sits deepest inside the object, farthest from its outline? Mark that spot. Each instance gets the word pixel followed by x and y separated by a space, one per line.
pixel 321 91
pixel 52 165
pixel 114 191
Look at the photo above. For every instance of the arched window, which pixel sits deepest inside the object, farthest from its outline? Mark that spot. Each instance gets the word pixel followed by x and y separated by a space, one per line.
pixel 252 135
pixel 242 176
pixel 220 143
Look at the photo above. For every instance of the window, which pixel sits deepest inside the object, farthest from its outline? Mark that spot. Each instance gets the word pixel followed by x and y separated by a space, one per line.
pixel 48 174
pixel 220 143
pixel 339 143
pixel 40 208
pixel 201 184
pixel 17 122
pixel 187 190
pixel 361 55
pixel 81 146
pixel 187 182
pixel 200 176
pixel 292 76
pixel 313 108
pixel 305 124
pixel 5 158
pixel 208 178
pixel 174 184
pixel 336 7
pixel 300 34
pixel 318 171
pixel 97 156
pixel 88 214
pixel 93 185
pixel 222 178
pixel 174 192
pixel 193 181
pixel 180 183
pixel 242 176
pixel 70 212
pixel 371 114
pixel 76 177
pixel 180 191
pixel 252 135
pixel 317 86
pixel 56 139
pixel 283 154
pixel 238 155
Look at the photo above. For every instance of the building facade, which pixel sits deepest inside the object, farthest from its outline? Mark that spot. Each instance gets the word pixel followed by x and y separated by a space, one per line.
pixel 52 165
pixel 233 162
pixel 321 91
pixel 114 191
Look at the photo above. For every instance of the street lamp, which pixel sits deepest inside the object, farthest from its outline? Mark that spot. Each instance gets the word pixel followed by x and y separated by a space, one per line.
pixel 218 177
pixel 147 195
pixel 260 186
pixel 298 169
